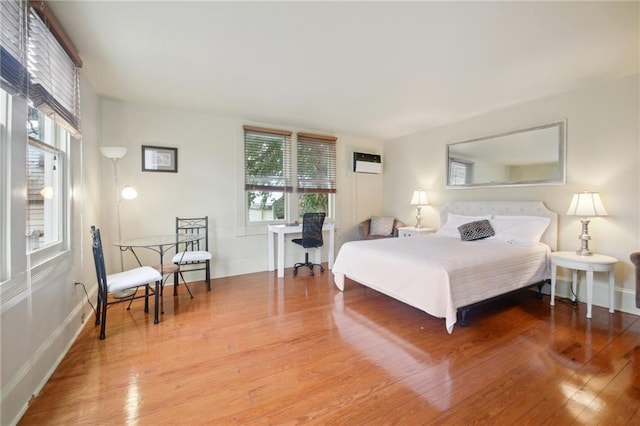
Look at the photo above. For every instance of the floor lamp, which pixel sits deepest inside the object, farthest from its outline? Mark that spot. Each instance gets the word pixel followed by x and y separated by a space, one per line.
pixel 114 153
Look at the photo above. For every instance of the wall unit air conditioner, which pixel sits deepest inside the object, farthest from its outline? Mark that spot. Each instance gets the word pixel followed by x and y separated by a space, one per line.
pixel 367 163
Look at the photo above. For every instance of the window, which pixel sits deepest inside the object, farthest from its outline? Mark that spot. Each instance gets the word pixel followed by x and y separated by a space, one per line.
pixel 267 167
pixel 460 171
pixel 269 170
pixel 39 113
pixel 46 172
pixel 316 173
pixel 53 116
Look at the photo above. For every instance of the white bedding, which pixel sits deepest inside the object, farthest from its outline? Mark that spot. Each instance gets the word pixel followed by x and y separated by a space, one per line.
pixel 441 274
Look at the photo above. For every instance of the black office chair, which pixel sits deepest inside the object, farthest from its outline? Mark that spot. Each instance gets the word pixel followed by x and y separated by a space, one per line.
pixel 311 238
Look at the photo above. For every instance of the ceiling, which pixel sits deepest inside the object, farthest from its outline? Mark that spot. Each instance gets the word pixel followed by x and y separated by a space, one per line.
pixel 371 69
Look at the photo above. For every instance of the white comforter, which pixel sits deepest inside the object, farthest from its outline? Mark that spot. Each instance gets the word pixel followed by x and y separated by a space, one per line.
pixel 440 274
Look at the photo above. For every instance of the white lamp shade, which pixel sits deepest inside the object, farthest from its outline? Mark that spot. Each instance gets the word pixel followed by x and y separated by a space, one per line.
pixel 419 198
pixel 129 193
pixel 586 204
pixel 113 152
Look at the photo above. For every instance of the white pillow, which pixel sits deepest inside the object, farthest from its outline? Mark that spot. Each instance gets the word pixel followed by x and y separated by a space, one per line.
pixel 450 228
pixel 381 225
pixel 522 230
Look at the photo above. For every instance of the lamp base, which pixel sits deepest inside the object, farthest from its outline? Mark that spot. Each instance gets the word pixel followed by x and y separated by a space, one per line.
pixel 584 238
pixel 418 217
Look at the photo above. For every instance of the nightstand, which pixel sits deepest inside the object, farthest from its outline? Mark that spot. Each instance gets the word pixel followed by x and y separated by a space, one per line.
pixel 589 264
pixel 412 231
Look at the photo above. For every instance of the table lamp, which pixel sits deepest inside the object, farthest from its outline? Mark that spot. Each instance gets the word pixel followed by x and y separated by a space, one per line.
pixel 586 204
pixel 419 199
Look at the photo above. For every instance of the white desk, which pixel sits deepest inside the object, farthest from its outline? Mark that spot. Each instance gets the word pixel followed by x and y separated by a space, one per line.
pixel 281 230
pixel 590 264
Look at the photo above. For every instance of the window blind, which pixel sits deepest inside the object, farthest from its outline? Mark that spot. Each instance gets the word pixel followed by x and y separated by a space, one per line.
pixel 267 158
pixel 316 163
pixel 54 84
pixel 13 62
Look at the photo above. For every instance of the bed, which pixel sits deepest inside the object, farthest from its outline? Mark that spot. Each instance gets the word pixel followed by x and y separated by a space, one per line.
pixel 440 274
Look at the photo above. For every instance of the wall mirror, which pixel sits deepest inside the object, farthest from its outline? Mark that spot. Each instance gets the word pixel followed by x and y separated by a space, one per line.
pixel 530 156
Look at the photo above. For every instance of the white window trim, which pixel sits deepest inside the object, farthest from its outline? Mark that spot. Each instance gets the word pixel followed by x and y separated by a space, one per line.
pixel 50 251
pixel 5 167
pixel 13 213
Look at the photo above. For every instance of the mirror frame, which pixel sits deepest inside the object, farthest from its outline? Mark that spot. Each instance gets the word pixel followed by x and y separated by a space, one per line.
pixel 562 158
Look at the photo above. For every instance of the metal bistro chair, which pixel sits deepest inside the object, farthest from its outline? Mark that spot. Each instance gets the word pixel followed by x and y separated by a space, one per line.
pixel 311 238
pixel 195 256
pixel 132 278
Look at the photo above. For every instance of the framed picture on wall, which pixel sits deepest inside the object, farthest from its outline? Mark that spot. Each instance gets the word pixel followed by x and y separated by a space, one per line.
pixel 159 159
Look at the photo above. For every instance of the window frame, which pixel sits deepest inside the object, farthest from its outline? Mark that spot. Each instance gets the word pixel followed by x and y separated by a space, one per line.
pixel 324 148
pixel 59 144
pixel 256 185
pixel 15 264
pixel 5 167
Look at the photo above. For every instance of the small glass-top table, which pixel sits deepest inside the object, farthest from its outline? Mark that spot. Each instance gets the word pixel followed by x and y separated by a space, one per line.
pixel 158 243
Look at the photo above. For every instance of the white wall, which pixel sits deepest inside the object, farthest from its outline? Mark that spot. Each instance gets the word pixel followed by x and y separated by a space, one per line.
pixel 359 194
pixel 210 182
pixel 602 155
pixel 41 314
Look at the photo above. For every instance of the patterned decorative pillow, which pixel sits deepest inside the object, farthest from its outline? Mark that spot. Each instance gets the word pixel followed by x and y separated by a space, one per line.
pixel 381 225
pixel 476 230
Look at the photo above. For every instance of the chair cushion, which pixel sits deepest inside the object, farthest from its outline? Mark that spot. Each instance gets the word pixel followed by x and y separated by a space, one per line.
pixel 191 256
pixel 381 225
pixel 132 278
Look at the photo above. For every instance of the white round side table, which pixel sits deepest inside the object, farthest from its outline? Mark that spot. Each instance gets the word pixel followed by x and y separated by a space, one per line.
pixel 589 264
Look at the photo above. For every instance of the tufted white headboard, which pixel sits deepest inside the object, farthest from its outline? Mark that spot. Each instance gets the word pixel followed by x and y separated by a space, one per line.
pixel 509 208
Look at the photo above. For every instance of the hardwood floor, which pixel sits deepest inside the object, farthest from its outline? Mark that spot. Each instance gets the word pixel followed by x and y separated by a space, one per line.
pixel 263 350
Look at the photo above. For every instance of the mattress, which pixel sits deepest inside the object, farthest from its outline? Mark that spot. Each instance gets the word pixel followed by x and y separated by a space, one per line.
pixel 441 274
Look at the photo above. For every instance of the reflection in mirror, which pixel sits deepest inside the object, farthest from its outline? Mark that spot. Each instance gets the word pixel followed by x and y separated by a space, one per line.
pixel 531 156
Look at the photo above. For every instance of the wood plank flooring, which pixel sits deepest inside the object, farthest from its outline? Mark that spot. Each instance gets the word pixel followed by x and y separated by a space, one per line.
pixel 262 350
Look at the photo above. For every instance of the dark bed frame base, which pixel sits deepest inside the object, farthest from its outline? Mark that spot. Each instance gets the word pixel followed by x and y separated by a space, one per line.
pixel 464 311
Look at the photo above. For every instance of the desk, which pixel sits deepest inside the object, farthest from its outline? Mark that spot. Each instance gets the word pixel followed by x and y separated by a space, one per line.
pixel 589 264
pixel 159 244
pixel 281 230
